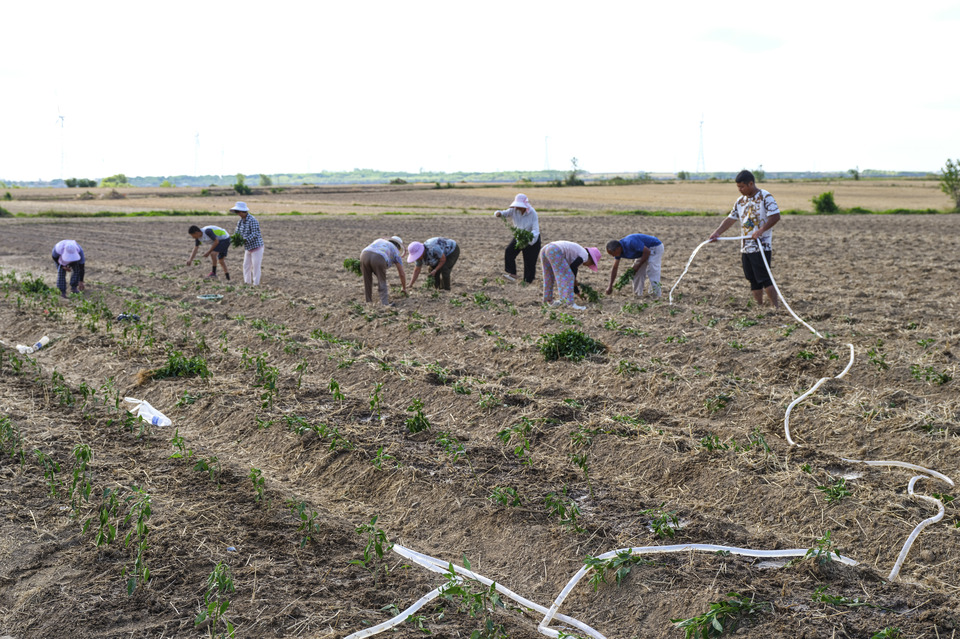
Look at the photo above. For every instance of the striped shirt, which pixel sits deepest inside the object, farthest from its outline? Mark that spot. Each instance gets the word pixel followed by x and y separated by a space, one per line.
pixel 249 229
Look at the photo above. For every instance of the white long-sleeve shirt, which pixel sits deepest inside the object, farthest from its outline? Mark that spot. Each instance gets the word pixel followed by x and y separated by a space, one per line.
pixel 526 220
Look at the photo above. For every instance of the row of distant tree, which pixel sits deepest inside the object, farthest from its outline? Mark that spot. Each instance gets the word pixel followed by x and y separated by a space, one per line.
pixel 572 177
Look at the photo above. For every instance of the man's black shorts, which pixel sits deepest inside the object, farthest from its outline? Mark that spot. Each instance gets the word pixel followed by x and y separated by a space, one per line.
pixel 755 271
pixel 222 247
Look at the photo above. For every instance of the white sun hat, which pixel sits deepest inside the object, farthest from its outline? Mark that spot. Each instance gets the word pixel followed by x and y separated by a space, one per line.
pixel 240 206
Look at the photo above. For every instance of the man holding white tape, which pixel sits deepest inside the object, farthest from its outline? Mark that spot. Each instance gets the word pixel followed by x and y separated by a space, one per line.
pixel 757 212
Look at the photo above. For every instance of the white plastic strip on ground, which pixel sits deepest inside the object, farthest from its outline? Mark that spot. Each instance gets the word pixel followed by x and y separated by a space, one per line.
pixel 786 420
pixel 550 614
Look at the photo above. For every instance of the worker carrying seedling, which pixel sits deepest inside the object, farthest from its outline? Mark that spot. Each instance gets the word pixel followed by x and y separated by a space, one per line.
pixel 526 238
pixel 219 241
pixel 647 253
pixel 439 254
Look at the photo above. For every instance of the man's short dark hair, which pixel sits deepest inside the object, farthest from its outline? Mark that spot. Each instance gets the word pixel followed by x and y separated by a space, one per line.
pixel 745 177
pixel 613 245
pixel 194 229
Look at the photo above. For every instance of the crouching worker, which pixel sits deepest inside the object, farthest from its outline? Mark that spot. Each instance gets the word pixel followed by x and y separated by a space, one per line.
pixel 374 261
pixel 68 256
pixel 439 254
pixel 647 253
pixel 219 241
pixel 560 261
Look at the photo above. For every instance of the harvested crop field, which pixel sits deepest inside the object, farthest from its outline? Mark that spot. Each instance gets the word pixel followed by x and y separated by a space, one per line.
pixel 674 434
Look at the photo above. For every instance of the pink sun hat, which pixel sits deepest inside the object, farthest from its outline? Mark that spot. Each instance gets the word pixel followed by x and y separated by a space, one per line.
pixel 415 250
pixel 595 254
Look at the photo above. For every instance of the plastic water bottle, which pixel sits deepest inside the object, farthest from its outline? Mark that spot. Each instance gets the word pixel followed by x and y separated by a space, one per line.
pixel 26 350
pixel 147 412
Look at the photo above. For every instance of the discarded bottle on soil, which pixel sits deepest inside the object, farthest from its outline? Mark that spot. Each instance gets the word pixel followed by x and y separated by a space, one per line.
pixel 26 350
pixel 147 412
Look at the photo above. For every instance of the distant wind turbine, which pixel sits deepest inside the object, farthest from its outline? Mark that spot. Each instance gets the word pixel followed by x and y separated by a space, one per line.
pixel 60 120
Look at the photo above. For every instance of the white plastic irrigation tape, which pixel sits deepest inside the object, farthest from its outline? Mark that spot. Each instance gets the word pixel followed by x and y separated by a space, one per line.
pixel 786 419
pixel 436 565
pixel 550 614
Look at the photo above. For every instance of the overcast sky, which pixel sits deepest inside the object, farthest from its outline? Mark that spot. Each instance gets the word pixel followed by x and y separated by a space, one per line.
pixel 273 87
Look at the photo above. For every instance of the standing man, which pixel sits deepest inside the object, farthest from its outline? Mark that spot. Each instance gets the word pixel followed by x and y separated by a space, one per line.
pixel 249 229
pixel 219 241
pixel 647 251
pixel 757 212
pixel 523 216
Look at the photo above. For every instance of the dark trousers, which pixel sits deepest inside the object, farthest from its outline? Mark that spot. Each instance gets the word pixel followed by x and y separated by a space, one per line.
pixel 442 278
pixel 76 276
pixel 530 255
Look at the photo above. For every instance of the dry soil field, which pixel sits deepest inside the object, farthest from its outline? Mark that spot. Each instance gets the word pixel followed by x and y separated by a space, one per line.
pixel 673 435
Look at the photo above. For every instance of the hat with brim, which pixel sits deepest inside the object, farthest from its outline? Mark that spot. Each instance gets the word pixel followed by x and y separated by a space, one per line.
pixel 396 238
pixel 240 206
pixel 595 254
pixel 415 251
pixel 520 202
pixel 70 254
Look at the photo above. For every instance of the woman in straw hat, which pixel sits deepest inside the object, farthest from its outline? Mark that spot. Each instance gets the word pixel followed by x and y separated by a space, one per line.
pixel 439 254
pixel 374 261
pixel 561 260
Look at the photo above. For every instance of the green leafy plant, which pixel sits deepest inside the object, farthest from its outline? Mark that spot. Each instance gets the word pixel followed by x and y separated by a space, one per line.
pixel 505 495
pixel 80 486
pixel 835 492
pixel 822 550
pixel 308 526
pixel 824 203
pixel 723 616
pixel 352 264
pixel 626 279
pixel 888 632
pixel 929 374
pixel 589 293
pixel 950 181
pixel 451 446
pixel 520 433
pixel 477 600
pixel 108 509
pixel 664 523
pixel 179 365
pixel 619 565
pixel 717 403
pixel 375 549
pixel 821 595
pixel 878 357
pixel 381 458
pixel 209 465
pixel 140 510
pixel 375 402
pixel 570 344
pixel 180 447
pixel 256 476
pixel 417 422
pixel 565 509
pixel 50 469
pixel 219 585
pixel 521 237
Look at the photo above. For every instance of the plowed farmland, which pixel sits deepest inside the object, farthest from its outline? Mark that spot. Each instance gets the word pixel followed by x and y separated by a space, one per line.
pixel 326 426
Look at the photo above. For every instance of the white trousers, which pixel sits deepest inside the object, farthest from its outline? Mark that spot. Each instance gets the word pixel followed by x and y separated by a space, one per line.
pixel 251 266
pixel 649 269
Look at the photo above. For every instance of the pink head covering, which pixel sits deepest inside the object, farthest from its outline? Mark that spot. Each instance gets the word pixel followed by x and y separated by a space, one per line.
pixel 415 250
pixel 521 202
pixel 69 252
pixel 595 254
